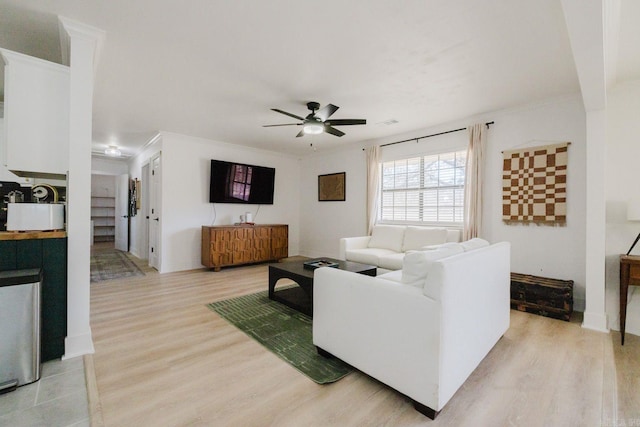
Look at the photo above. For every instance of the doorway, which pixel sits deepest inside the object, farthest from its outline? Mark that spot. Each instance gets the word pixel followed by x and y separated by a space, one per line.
pixel 121 228
pixel 155 193
pixel 103 204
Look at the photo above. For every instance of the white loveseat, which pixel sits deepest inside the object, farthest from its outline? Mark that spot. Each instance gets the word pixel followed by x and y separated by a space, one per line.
pixel 386 246
pixel 421 330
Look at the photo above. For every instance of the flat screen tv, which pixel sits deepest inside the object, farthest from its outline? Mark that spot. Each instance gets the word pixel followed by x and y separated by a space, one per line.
pixel 240 183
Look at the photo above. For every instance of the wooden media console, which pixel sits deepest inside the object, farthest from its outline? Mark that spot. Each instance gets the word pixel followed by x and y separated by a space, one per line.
pixel 228 245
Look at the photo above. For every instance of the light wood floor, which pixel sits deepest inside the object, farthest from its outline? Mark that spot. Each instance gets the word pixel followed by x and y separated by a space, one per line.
pixel 164 359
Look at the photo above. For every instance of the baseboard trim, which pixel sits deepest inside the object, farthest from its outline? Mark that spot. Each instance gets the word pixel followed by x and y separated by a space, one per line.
pixel 595 321
pixel 78 345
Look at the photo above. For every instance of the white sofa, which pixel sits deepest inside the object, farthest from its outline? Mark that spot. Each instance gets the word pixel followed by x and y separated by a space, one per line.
pixel 387 244
pixel 421 330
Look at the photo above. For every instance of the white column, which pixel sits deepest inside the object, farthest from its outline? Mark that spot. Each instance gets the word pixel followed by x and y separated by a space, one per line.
pixel 586 28
pixel 80 44
pixel 595 316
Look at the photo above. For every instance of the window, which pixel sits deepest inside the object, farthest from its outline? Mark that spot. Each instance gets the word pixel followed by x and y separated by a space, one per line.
pixel 241 182
pixel 427 189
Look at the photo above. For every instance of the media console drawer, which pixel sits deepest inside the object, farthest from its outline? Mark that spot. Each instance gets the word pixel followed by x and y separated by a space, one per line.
pixel 224 246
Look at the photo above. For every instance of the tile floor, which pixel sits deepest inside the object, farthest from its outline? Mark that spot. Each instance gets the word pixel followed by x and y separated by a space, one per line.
pixel 58 399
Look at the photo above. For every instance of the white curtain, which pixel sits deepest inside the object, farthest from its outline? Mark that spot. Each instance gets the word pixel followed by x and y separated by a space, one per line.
pixel 373 185
pixel 473 182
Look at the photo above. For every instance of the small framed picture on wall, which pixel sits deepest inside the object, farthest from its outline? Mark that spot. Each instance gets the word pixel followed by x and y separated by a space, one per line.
pixel 332 187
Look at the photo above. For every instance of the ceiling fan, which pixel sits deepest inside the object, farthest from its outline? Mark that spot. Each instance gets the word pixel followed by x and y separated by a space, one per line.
pixel 318 120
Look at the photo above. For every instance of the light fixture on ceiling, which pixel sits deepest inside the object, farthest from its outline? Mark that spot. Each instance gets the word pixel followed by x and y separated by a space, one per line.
pixel 313 128
pixel 113 151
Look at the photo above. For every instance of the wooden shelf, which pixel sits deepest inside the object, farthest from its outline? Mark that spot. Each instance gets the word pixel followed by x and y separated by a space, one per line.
pixel 103 211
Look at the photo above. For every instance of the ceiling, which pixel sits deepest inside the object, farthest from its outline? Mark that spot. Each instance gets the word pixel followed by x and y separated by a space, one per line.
pixel 214 69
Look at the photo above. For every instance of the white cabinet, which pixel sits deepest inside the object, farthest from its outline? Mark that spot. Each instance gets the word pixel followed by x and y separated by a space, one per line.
pixel 36 116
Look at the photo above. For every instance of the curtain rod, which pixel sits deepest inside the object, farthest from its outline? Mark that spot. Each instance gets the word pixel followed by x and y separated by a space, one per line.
pixel 429 136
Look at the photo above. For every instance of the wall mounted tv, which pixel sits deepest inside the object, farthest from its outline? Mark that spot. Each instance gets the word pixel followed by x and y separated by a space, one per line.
pixel 240 183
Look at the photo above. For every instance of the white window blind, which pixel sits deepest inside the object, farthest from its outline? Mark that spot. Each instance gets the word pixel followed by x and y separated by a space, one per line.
pixel 426 189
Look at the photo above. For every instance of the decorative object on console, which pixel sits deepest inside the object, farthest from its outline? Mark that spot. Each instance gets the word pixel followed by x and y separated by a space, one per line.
pixel 331 187
pixel 317 263
pixel 541 295
pixel 633 214
pixel 534 185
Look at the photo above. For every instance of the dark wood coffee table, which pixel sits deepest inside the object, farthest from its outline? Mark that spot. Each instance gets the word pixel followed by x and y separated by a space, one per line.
pixel 301 297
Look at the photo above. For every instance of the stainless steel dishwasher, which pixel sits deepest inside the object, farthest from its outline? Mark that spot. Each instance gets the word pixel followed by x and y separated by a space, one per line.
pixel 20 296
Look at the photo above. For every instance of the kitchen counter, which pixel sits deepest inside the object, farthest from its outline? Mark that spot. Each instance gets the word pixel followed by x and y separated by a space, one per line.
pixel 28 235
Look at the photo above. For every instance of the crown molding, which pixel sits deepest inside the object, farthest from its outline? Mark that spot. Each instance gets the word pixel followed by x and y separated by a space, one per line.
pixel 68 29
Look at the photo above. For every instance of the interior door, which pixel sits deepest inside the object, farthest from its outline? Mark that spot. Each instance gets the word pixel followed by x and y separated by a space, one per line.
pixel 154 212
pixel 143 223
pixel 122 213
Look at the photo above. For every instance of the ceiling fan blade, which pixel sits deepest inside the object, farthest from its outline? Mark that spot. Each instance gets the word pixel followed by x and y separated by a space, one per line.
pixel 333 131
pixel 287 114
pixel 285 124
pixel 346 122
pixel 325 112
pixel 301 133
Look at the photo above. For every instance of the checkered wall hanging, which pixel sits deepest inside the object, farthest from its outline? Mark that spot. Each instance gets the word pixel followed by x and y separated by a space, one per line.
pixel 534 185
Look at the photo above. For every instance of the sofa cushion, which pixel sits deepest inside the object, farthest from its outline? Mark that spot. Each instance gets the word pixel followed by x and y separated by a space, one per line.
pixel 475 243
pixel 394 276
pixel 391 261
pixel 454 235
pixel 368 255
pixel 387 237
pixel 415 266
pixel 453 246
pixel 417 237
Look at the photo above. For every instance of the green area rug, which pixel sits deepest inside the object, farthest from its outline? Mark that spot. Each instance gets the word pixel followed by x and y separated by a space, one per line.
pixel 284 331
pixel 112 264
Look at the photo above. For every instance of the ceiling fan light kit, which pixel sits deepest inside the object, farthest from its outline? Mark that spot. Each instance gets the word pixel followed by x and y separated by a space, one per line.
pixel 313 128
pixel 317 121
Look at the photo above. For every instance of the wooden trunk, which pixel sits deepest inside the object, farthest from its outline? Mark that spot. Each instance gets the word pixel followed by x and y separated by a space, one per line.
pixel 541 295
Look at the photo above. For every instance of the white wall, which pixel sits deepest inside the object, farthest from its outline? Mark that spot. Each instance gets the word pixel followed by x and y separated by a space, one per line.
pixel 103 166
pixel 623 152
pixel 138 222
pixel 323 223
pixel 549 251
pixel 185 196
pixel 103 185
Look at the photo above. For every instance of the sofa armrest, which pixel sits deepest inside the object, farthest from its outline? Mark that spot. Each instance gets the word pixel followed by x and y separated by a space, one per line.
pixel 347 243
pixel 388 330
pixel 473 289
